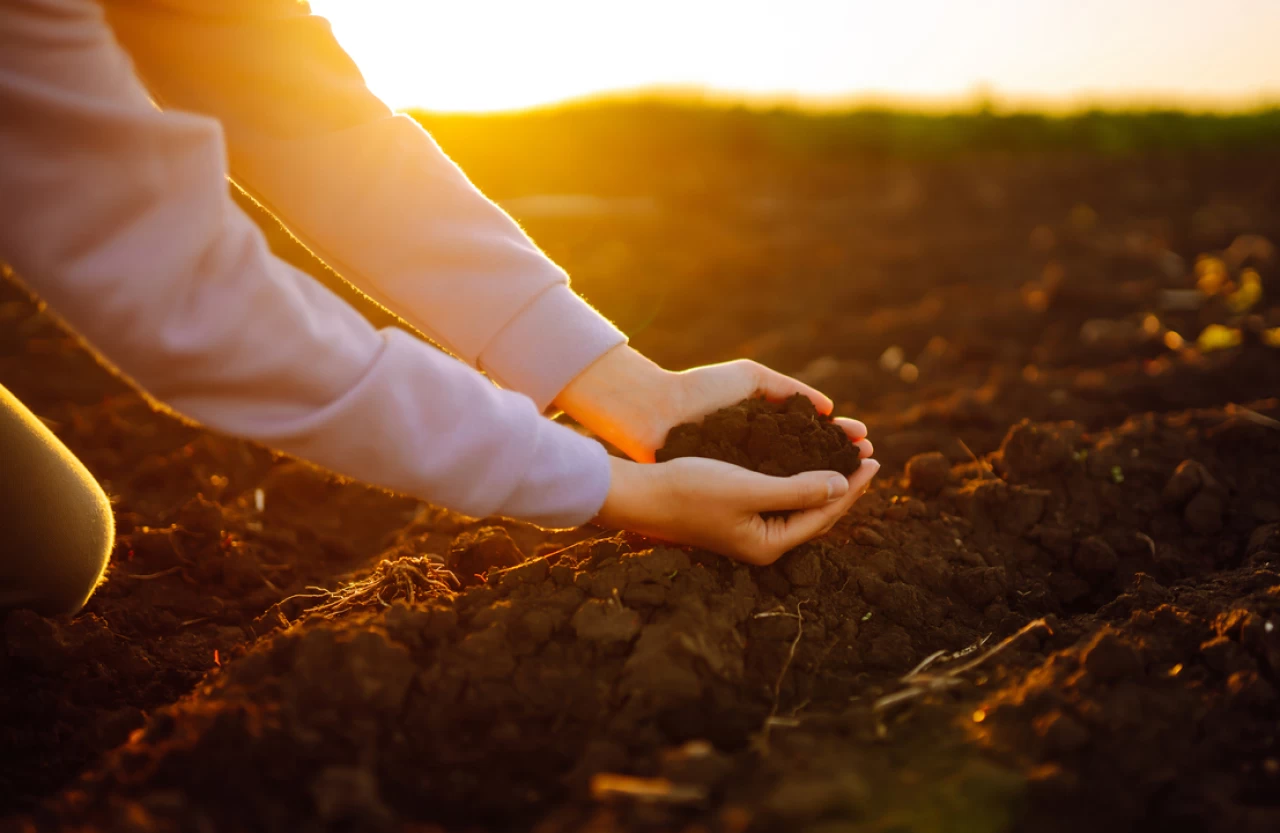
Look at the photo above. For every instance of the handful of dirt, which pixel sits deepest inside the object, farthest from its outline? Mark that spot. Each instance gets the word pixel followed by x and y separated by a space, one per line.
pixel 774 438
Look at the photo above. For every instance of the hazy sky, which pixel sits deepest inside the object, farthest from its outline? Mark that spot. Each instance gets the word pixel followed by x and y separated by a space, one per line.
pixel 493 54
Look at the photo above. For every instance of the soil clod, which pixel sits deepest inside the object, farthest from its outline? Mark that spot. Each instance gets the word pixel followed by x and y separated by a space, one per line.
pixel 927 473
pixel 774 438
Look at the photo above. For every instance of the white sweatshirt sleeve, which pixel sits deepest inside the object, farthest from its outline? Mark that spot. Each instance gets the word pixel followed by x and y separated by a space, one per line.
pixel 368 191
pixel 118 216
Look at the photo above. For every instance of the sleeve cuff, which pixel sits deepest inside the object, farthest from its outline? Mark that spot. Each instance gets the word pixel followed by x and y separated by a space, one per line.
pixel 549 342
pixel 567 482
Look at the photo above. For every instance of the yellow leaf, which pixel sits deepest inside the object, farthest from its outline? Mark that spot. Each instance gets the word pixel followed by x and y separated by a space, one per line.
pixel 1249 294
pixel 1217 337
pixel 1211 274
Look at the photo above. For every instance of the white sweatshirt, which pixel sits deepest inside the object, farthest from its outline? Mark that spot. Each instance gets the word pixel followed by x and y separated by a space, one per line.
pixel 118 215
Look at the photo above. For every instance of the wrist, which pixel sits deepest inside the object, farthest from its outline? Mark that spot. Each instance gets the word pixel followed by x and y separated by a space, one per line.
pixel 618 373
pixel 629 492
pixel 624 398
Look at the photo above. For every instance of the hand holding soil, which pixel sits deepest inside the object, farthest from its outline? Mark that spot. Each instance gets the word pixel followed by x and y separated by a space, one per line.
pixel 717 506
pixel 774 438
pixel 751 481
pixel 633 403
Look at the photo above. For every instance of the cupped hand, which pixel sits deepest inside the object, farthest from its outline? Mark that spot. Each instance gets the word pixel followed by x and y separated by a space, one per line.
pixel 632 402
pixel 718 506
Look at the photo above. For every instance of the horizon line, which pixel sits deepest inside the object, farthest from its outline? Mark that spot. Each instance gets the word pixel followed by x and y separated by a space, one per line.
pixel 979 99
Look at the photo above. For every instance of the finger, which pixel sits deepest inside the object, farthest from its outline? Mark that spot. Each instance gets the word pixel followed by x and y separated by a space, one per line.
pixel 803 526
pixel 861 479
pixel 865 448
pixel 774 385
pixel 801 491
pixel 856 429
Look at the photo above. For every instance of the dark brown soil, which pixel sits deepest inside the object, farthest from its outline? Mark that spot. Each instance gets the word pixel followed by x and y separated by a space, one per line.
pixel 774 438
pixel 1076 533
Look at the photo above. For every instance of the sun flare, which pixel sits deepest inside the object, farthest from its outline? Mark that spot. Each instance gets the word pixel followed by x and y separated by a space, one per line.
pixel 489 54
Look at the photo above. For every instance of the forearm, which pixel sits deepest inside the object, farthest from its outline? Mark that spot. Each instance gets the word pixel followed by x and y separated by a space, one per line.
pixel 118 216
pixel 368 191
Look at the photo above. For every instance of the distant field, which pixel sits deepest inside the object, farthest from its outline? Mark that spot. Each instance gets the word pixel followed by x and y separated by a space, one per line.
pixel 563 145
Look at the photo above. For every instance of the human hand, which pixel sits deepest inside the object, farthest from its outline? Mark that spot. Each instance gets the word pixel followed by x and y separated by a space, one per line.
pixel 632 402
pixel 717 506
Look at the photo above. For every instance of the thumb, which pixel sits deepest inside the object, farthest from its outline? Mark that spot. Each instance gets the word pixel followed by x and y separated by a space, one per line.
pixel 807 490
pixel 774 385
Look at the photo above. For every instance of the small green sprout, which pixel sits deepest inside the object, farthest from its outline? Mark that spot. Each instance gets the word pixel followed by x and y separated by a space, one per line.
pixel 673 574
pixel 1117 474
pixel 866 617
pixel 1081 455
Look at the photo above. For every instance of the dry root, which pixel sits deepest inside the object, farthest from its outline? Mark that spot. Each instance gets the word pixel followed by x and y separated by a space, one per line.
pixel 922 680
pixel 411 578
pixel 608 786
pixel 773 720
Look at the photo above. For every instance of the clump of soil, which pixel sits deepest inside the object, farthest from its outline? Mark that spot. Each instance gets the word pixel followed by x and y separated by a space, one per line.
pixel 774 438
pixel 473 554
pixel 927 473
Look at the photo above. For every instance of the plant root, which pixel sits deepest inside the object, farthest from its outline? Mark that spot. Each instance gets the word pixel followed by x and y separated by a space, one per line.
pixel 920 681
pixel 773 719
pixel 411 578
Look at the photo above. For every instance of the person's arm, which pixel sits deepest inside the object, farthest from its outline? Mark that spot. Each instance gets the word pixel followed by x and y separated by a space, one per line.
pixel 373 196
pixel 368 191
pixel 118 215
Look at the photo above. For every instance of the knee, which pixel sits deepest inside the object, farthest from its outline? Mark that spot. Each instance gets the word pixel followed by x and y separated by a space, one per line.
pixel 79 559
pixel 62 529
pixel 57 519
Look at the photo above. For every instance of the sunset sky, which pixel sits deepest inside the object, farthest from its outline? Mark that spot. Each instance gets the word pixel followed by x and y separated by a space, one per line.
pixel 498 54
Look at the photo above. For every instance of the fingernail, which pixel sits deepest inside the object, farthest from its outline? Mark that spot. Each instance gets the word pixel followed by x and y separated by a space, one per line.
pixel 875 466
pixel 836 487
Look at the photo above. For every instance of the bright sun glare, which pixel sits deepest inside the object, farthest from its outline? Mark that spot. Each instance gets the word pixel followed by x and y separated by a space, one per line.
pixel 490 54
